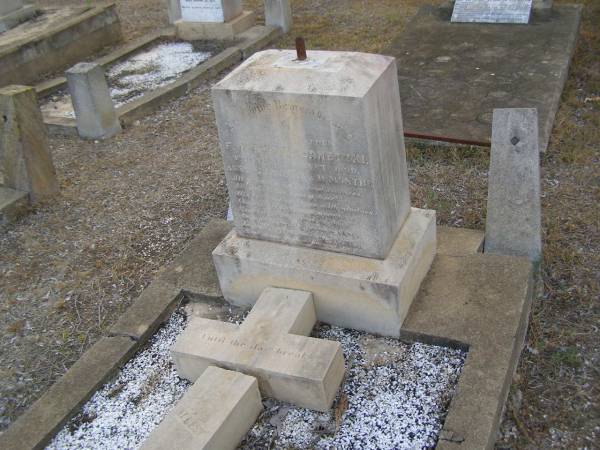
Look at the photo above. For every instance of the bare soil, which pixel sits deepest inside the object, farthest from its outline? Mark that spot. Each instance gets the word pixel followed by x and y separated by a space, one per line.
pixel 130 204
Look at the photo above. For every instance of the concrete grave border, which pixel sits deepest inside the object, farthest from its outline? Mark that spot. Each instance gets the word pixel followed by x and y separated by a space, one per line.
pixel 87 30
pixel 244 46
pixel 469 300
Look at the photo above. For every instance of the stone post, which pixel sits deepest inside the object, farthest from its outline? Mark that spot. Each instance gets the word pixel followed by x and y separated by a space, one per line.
pixel 94 108
pixel 173 10
pixel 278 13
pixel 513 225
pixel 25 159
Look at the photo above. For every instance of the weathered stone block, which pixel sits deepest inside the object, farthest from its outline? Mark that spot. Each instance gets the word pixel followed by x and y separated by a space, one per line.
pixel 25 159
pixel 513 224
pixel 8 6
pixel 278 13
pixel 93 105
pixel 13 204
pixel 218 11
pixel 214 414
pixel 313 150
pixel 350 291
pixel 271 345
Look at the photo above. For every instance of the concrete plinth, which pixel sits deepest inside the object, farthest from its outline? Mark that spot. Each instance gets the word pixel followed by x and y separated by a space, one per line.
pixel 350 291
pixel 193 31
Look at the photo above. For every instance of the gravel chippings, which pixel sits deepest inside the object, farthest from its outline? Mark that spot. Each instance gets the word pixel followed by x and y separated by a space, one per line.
pixel 395 396
pixel 125 411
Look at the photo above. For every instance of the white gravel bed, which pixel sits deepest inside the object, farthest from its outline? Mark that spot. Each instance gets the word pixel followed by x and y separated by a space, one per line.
pixel 143 72
pixel 395 396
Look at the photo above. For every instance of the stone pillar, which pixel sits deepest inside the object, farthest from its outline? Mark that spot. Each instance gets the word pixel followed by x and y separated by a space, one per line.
pixel 173 10
pixel 513 224
pixel 278 13
pixel 24 155
pixel 94 108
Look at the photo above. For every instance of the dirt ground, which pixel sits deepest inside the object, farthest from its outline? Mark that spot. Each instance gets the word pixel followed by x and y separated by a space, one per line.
pixel 130 204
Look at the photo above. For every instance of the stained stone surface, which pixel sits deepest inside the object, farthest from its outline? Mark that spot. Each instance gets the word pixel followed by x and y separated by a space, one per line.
pixel 93 105
pixel 214 414
pixel 313 150
pixel 271 345
pixel 453 75
pixel 492 11
pixel 25 159
pixel 210 10
pixel 8 6
pixel 513 225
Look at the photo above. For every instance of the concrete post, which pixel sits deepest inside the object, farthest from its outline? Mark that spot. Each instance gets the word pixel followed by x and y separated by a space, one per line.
pixel 25 159
pixel 94 108
pixel 278 13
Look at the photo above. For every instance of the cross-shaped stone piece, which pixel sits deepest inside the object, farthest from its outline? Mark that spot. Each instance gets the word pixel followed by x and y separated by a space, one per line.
pixel 271 345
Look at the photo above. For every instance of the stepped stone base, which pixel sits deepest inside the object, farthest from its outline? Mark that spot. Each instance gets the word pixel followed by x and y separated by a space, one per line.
pixel 350 291
pixel 193 31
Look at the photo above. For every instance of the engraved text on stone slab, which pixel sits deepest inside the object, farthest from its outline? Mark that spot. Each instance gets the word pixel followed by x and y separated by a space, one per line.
pixel 202 11
pixel 492 11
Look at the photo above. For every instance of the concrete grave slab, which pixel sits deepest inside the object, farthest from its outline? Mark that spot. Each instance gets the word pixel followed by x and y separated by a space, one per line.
pixel 514 212
pixel 56 39
pixel 270 344
pixel 453 75
pixel 214 414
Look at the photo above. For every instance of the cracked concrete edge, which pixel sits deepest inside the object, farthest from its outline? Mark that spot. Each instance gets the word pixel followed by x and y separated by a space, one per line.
pixel 38 425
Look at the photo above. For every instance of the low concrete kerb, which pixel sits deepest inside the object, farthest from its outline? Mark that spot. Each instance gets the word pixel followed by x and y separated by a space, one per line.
pixel 477 302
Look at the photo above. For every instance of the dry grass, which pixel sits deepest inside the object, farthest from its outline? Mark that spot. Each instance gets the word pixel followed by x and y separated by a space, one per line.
pixel 130 204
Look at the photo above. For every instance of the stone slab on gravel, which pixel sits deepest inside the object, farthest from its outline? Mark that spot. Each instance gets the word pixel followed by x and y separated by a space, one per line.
pixel 214 414
pixel 270 344
pixel 453 75
pixel 46 416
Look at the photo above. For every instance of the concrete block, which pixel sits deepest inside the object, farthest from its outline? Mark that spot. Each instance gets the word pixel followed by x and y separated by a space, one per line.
pixel 270 345
pixel 11 18
pixel 278 13
pixel 8 6
pixel 214 414
pixel 93 105
pixel 331 172
pixel 349 291
pixel 193 31
pixel 513 223
pixel 24 154
pixel 13 204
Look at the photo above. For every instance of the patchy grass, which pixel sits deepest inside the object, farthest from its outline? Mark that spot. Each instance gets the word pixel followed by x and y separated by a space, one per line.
pixel 130 204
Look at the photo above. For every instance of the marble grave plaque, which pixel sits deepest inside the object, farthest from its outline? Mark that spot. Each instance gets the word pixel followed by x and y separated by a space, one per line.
pixel 216 11
pixel 492 11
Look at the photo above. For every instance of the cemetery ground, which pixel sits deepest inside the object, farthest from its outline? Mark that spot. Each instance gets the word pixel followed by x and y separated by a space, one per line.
pixel 130 204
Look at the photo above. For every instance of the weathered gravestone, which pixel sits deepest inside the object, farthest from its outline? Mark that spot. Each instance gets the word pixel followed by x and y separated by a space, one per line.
pixel 94 108
pixel 13 12
pixel 271 345
pixel 316 170
pixel 209 19
pixel 25 159
pixel 492 11
pixel 278 13
pixel 214 414
pixel 513 224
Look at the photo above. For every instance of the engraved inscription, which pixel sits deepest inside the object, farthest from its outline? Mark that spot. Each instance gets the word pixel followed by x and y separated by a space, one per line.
pixel 492 11
pixel 255 347
pixel 202 11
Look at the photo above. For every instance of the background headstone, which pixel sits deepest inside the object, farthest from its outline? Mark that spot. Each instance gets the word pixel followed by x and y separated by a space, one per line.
pixel 513 224
pixel 24 154
pixel 94 109
pixel 331 171
pixel 278 13
pixel 210 10
pixel 492 11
